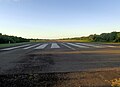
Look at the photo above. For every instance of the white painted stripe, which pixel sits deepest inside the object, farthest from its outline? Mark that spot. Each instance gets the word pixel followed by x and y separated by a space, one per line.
pixel 108 46
pixel 111 46
pixel 68 46
pixel 11 48
pixel 41 46
pixel 31 46
pixel 90 45
pixel 77 45
pixel 100 46
pixel 55 45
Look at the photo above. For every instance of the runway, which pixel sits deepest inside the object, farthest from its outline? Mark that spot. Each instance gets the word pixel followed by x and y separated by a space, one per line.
pixel 52 57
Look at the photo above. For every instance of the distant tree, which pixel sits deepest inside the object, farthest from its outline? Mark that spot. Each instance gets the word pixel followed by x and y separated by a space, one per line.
pixel 118 37
pixel 12 39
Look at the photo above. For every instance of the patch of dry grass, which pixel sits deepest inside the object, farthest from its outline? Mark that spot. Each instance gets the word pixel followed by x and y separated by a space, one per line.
pixel 114 82
pixel 81 52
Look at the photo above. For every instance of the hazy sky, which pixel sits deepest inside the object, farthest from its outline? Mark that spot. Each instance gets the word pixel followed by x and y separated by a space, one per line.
pixel 58 18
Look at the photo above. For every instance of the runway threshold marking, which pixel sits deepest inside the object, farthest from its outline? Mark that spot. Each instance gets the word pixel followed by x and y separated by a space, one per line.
pixel 41 46
pixel 11 48
pixel 31 46
pixel 108 46
pixel 68 46
pixel 90 45
pixel 111 46
pixel 55 45
pixel 77 45
pixel 100 46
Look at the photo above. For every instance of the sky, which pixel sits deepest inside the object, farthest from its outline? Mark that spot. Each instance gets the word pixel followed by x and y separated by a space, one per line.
pixel 52 19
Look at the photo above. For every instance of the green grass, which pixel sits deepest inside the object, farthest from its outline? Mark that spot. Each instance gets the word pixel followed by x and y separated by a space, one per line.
pixel 12 44
pixel 107 42
pixel 39 40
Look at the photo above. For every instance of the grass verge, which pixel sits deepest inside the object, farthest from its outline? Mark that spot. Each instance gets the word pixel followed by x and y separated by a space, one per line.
pixel 12 44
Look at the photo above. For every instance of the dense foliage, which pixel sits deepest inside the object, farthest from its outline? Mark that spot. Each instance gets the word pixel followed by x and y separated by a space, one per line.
pixel 104 37
pixel 11 39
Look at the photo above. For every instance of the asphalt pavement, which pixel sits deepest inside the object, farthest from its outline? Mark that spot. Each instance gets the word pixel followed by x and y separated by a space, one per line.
pixel 52 57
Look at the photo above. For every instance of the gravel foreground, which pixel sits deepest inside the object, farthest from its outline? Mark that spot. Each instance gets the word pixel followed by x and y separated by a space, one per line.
pixel 71 79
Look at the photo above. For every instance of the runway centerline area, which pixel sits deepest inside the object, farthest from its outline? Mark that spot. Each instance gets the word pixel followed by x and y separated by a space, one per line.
pixel 55 45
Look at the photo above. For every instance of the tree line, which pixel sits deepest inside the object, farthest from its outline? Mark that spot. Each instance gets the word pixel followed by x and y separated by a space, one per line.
pixel 12 39
pixel 104 37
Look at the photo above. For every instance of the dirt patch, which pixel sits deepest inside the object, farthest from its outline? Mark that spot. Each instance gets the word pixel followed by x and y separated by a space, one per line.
pixel 73 79
pixel 47 63
pixel 32 64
